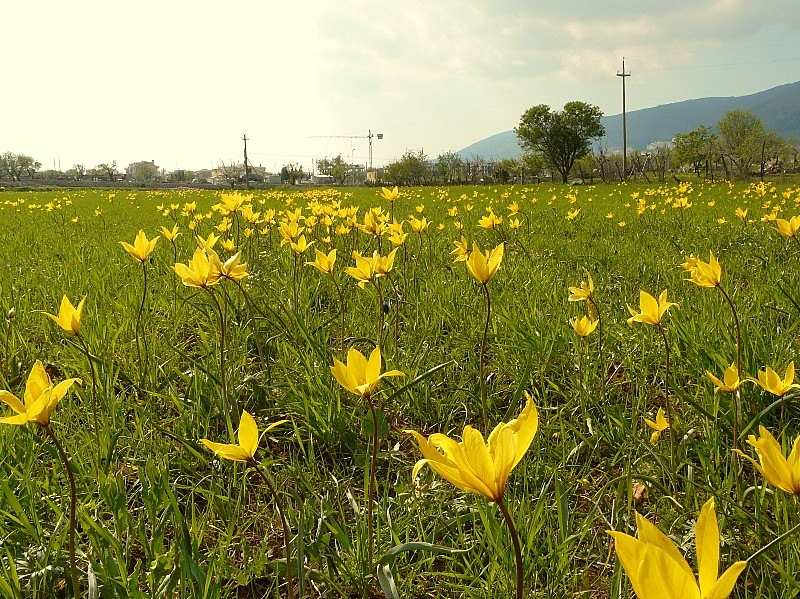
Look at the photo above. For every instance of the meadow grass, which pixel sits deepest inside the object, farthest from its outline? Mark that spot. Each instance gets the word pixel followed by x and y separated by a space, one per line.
pixel 159 516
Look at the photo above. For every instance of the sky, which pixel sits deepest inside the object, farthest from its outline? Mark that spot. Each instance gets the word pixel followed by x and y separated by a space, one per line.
pixel 181 81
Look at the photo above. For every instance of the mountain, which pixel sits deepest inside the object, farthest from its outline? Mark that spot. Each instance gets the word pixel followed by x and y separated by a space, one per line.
pixel 778 108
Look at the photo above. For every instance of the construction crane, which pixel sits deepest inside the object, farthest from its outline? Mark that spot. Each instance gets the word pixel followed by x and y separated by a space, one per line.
pixel 368 136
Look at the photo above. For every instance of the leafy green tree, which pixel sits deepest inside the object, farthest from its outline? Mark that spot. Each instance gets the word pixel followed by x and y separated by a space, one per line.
pixel 562 137
pixel 292 173
pixel 109 170
pixel 745 142
pixel 411 169
pixel 507 169
pixel 449 167
pixel 693 148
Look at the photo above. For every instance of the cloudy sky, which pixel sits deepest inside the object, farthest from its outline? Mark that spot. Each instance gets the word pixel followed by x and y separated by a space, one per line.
pixel 180 81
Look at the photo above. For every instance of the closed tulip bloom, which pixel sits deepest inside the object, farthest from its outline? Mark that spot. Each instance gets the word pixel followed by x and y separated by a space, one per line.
pixel 248 436
pixel 584 326
pixel 769 380
pixel 730 379
pixel 782 472
pixel 483 267
pixel 659 425
pixel 657 570
pixel 651 311
pixel 142 247
pixel 322 262
pixel 199 272
pixel 69 317
pixel 40 398
pixel 474 465
pixel 359 375
pixel 582 293
pixel 301 245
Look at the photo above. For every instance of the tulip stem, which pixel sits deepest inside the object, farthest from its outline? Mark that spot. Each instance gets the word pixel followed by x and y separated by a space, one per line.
pixel 380 314
pixel 252 320
pixel 372 466
pixel 94 385
pixel 284 522
pixel 600 345
pixel 222 378
pixel 517 549
pixel 341 309
pixel 73 496
pixel 670 412
pixel 139 324
pixel 482 357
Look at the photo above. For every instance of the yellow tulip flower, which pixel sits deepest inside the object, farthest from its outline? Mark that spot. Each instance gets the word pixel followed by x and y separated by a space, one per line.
pixel 230 269
pixel 363 271
pixel 788 228
pixel 229 245
pixel 199 272
pixel 359 375
pixel 651 311
pixel 322 262
pixel 477 466
pixel 483 267
pixel 142 247
pixel 730 379
pixel 69 317
pixel 390 194
pixel 40 398
pixel 659 425
pixel 657 569
pixel 170 235
pixel 248 436
pixel 382 265
pixel 490 221
pixel 418 225
pixel 582 293
pixel 301 245
pixel 462 250
pixel 782 472
pixel 704 274
pixel 208 243
pixel 769 380
pixel 584 326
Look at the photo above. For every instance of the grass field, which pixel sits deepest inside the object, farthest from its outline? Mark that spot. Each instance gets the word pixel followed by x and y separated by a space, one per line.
pixel 158 515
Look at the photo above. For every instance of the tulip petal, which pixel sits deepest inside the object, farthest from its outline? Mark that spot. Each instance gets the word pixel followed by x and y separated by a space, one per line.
pixel 707 543
pixel 248 434
pixel 650 534
pixel 724 586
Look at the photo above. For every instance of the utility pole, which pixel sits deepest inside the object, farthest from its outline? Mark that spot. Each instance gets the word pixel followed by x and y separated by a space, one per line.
pixel 246 167
pixel 623 74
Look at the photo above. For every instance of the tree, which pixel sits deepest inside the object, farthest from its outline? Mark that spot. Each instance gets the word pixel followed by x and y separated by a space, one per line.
pixel 334 167
pixel 145 172
pixel 450 167
pixel 745 142
pixel 506 170
pixel 15 165
pixel 694 147
pixel 110 170
pixel 78 171
pixel 292 172
pixel 560 137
